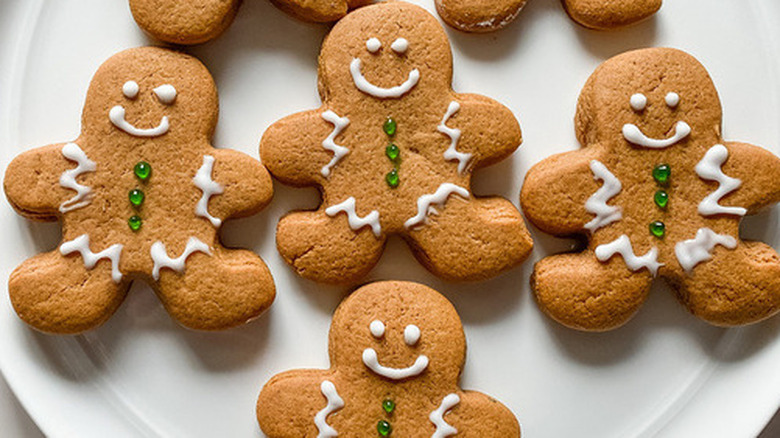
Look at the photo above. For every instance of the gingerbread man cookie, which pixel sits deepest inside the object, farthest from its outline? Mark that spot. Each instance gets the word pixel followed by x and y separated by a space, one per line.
pixel 396 350
pixel 490 15
pixel 659 193
pixel 141 194
pixel 392 149
pixel 198 21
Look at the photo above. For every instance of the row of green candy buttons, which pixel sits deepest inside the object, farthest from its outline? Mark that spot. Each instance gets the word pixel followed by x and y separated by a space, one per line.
pixel 393 153
pixel 142 171
pixel 661 175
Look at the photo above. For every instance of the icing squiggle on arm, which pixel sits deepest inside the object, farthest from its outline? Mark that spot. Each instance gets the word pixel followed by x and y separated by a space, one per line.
pixel 356 222
pixel 73 152
pixel 425 202
pixel 597 204
pixel 452 153
pixel 444 429
pixel 335 403
pixel 622 246
pixel 162 260
pixel 209 187
pixel 339 124
pixel 699 249
pixel 81 245
pixel 710 168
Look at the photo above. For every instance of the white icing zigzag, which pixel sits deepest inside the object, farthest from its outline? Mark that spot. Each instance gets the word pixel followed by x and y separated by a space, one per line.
pixel 209 187
pixel 622 246
pixel 356 222
pixel 710 169
pixel 444 429
pixel 81 245
pixel 454 134
pixel 339 124
pixel 699 249
pixel 597 204
pixel 162 260
pixel 73 152
pixel 335 403
pixel 425 202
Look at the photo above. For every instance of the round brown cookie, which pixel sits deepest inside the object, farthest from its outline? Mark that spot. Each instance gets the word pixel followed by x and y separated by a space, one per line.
pixel 610 14
pixel 141 194
pixel 659 193
pixel 198 21
pixel 393 149
pixel 397 350
pixel 479 15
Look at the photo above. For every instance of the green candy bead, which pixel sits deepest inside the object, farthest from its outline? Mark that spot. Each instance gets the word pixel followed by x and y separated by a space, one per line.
pixel 393 152
pixel 135 223
pixel 390 127
pixel 142 170
pixel 136 197
pixel 384 428
pixel 661 198
pixel 388 406
pixel 658 229
pixel 393 179
pixel 662 173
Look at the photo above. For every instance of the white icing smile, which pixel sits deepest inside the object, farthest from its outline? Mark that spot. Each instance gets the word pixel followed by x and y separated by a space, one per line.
pixel 376 91
pixel 634 135
pixel 117 116
pixel 372 362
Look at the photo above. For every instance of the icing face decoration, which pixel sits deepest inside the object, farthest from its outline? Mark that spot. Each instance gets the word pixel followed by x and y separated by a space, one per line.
pixel 373 45
pixel 633 134
pixel 166 95
pixel 411 337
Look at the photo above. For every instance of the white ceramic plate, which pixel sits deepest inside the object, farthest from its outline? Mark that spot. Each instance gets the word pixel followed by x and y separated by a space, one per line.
pixel 664 374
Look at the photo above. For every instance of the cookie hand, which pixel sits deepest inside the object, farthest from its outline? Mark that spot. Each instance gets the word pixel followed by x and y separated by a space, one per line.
pixel 247 185
pixel 756 168
pixel 289 402
pixel 480 415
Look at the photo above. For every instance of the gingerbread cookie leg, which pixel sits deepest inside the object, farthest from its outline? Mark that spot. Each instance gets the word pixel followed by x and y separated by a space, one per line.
pixel 184 22
pixel 610 14
pixel 581 292
pixel 735 287
pixel 224 289
pixel 63 294
pixel 336 247
pixel 479 16
pixel 471 239
pixel 318 11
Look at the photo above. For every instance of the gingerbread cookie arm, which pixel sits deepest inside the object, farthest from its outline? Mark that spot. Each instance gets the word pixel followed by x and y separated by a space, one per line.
pixel 477 414
pixel 290 403
pixel 488 131
pixel 556 190
pixel 295 149
pixel 37 182
pixel 759 172
pixel 245 185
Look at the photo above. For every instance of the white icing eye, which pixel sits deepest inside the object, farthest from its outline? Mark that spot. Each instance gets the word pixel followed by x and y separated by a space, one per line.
pixel 377 328
pixel 400 45
pixel 130 89
pixel 672 100
pixel 411 334
pixel 373 45
pixel 166 94
pixel 638 102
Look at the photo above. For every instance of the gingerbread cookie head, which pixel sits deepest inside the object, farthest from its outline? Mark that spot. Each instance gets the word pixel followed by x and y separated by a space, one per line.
pixel 143 95
pixel 184 22
pixel 397 350
pixel 658 193
pixel 393 149
pixel 141 194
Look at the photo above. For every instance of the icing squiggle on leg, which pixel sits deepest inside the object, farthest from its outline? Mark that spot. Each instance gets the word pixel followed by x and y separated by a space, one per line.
pixel 425 202
pixel 73 152
pixel 209 187
pixel 452 153
pixel 699 249
pixel 444 429
pixel 597 204
pixel 339 152
pixel 622 246
pixel 335 403
pixel 81 245
pixel 162 260
pixel 356 222
pixel 710 168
